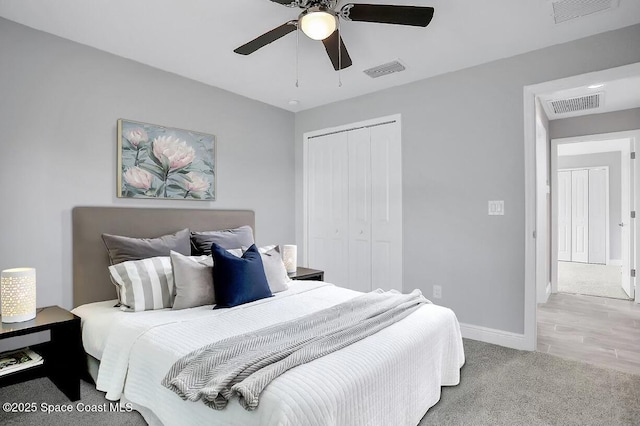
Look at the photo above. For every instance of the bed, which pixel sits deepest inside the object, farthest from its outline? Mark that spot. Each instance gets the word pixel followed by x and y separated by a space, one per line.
pixel 391 377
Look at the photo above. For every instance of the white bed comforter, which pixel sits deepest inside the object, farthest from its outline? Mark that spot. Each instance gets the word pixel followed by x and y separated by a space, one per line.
pixel 389 378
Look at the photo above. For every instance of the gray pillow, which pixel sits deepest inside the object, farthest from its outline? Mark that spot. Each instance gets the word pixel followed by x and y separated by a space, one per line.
pixel 227 239
pixel 122 249
pixel 193 280
pixel 274 269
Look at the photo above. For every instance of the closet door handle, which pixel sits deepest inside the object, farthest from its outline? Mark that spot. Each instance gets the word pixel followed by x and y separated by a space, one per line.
pixel 621 224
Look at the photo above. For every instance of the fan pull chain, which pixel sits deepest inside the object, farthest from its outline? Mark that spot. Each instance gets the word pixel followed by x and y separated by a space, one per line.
pixel 339 56
pixel 297 51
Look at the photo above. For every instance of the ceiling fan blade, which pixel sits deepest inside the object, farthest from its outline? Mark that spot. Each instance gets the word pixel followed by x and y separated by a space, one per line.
pixel 289 3
pixel 388 14
pixel 339 61
pixel 266 38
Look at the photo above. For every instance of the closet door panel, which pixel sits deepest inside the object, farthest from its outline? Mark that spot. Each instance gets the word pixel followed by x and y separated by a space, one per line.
pixel 328 206
pixel 580 216
pixel 597 216
pixel 564 216
pixel 360 210
pixel 386 207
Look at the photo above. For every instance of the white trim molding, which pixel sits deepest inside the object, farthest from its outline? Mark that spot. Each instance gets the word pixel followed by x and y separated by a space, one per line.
pixel 493 336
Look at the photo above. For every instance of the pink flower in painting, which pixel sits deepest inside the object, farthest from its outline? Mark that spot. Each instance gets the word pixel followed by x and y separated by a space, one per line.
pixel 176 151
pixel 198 182
pixel 138 178
pixel 136 136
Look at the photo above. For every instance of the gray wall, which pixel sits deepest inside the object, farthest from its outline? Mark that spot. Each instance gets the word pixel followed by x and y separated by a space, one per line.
pixel 611 159
pixel 617 121
pixel 462 136
pixel 59 102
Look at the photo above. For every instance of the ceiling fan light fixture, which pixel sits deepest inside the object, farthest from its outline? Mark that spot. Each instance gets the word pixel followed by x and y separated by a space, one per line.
pixel 318 22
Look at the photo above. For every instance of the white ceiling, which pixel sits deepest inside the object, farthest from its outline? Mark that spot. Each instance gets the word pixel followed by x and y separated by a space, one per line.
pixel 196 38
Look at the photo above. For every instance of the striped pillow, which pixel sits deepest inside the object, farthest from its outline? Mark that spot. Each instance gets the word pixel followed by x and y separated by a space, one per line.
pixel 144 284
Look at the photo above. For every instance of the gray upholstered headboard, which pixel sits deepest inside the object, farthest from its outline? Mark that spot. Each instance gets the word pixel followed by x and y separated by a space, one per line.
pixel 91 281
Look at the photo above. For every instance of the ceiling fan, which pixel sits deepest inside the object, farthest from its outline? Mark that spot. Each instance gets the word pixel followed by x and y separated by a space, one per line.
pixel 319 21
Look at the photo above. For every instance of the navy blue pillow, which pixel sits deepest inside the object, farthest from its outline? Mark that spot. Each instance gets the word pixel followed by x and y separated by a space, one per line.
pixel 238 280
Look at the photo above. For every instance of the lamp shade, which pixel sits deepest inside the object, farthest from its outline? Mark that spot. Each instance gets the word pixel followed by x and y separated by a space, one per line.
pixel 18 294
pixel 290 257
pixel 318 23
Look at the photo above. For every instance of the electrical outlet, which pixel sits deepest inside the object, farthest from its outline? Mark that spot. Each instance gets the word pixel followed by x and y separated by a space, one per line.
pixel 437 291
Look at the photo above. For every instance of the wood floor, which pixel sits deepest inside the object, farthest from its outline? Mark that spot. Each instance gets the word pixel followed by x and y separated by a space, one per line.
pixel 597 330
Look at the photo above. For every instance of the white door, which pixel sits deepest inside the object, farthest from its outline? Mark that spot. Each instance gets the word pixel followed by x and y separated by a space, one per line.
pixel 598 216
pixel 580 216
pixel 386 210
pixel 564 216
pixel 626 224
pixel 328 199
pixel 360 210
pixel 354 204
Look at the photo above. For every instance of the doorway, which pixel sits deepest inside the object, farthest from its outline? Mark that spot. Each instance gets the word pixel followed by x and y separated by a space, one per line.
pixel 537 186
pixel 591 210
pixel 589 197
pixel 591 249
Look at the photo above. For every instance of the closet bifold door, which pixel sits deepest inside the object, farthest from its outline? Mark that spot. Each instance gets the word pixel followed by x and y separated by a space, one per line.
pixel 354 206
pixel 564 216
pixel 360 268
pixel 329 206
pixel 580 216
pixel 386 207
pixel 597 216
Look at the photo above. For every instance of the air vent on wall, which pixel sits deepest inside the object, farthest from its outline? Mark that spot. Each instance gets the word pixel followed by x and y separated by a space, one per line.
pixel 385 69
pixel 580 103
pixel 566 10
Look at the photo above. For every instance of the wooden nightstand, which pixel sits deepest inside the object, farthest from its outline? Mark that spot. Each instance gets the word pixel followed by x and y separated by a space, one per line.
pixel 62 354
pixel 307 274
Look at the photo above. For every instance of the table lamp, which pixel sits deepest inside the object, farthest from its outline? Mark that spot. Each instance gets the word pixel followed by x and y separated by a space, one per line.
pixel 290 257
pixel 18 294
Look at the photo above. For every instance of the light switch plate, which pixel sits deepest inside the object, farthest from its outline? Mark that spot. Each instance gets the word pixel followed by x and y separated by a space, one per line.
pixel 496 208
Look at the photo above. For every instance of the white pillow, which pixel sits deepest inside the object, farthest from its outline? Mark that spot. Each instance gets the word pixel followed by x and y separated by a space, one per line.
pixel 145 284
pixel 274 269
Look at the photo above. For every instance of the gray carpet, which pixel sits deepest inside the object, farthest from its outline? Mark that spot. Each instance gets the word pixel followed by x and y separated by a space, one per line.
pixel 590 279
pixel 499 386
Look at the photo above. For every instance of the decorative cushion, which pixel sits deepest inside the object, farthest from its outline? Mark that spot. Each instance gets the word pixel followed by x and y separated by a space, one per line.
pixel 238 280
pixel 144 284
pixel 193 280
pixel 122 249
pixel 227 239
pixel 274 269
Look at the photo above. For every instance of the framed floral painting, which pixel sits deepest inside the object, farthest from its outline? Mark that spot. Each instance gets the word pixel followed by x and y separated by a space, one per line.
pixel 162 162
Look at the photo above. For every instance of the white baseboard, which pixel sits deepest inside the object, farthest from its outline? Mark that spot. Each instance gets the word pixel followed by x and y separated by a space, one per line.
pixel 493 336
pixel 616 262
pixel 547 292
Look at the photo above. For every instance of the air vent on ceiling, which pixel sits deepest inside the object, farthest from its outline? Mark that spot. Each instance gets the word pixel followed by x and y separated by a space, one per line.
pixel 385 69
pixel 580 103
pixel 566 10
